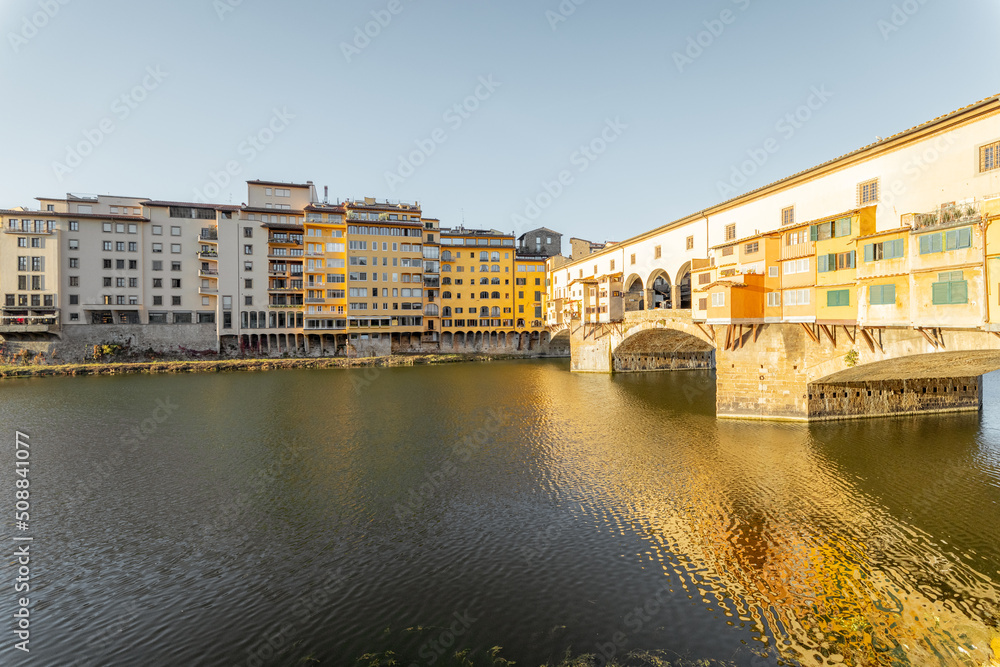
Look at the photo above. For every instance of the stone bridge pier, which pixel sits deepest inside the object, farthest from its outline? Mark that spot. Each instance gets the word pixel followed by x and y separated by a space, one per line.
pixel 800 372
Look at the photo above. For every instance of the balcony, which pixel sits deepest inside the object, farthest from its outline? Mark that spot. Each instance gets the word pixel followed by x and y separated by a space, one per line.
pixel 209 235
pixel 208 254
pixel 318 301
pixel 32 232
pixel 207 290
pixel 208 273
pixel 949 215
pixel 29 324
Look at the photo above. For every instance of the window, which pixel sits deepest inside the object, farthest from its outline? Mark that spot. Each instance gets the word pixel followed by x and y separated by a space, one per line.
pixel 74 226
pixel 657 253
pixel 157 247
pixel 107 281
pixel 838 298
pixel 772 272
pixel 247 300
pixel 892 249
pixel 157 230
pixel 788 216
pixel 157 265
pixel 248 232
pixel 248 283
pixel 107 245
pixel 106 227
pixel 955 239
pixel 718 299
pixel 22 242
pixel 797 297
pixel 157 300
pixel 951 288
pixel 773 299
pixel 727 251
pixel 830 229
pixel 133 246
pixel 835 262
pixel 689 243
pixel 248 266
pixel 989 157
pixel 868 192
pixel 751 248
pixel 175 283
pixel 74 281
pixel 157 282
pixel 133 228
pixel 175 266
pixel 882 295
pixel 119 282
pixel 247 249
pixel 74 262
pixel 74 244
pixel 74 299
pixel 133 264
pixel 612 265
pixel 175 301
pixel 175 231
pixel 731 232
pixel 119 227
pixel 175 248
pixel 633 258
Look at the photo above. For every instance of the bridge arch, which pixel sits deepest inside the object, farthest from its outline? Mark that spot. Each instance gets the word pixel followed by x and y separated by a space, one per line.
pixel 662 344
pixel 683 282
pixel 660 289
pixel 635 297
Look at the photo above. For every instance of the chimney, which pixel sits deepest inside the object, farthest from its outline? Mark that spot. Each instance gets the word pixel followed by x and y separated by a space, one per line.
pixel 326 194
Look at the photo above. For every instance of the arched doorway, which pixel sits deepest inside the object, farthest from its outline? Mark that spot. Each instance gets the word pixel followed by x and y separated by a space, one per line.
pixel 634 294
pixel 684 283
pixel 661 291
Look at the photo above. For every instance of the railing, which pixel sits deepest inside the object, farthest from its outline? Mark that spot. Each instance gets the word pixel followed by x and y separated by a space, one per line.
pixel 29 320
pixel 44 232
pixel 315 300
pixel 208 254
pixel 208 235
pixel 950 214
pixel 208 272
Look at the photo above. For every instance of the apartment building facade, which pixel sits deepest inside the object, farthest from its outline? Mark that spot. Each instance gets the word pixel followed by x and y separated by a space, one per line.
pixel 284 273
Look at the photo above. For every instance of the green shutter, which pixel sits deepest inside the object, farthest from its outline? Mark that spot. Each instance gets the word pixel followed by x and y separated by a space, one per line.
pixel 843 227
pixel 889 294
pixel 813 233
pixel 852 259
pixel 965 237
pixel 951 239
pixel 925 245
pixel 936 242
pixel 940 294
pixel 959 292
pixel 898 249
pixel 869 252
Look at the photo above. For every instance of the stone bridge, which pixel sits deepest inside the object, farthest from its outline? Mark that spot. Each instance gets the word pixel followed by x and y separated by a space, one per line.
pixel 796 371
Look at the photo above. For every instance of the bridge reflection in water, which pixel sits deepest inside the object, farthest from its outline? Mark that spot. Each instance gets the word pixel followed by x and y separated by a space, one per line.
pixel 766 525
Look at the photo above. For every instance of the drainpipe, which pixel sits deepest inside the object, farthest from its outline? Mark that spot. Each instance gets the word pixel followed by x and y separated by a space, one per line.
pixel 985 226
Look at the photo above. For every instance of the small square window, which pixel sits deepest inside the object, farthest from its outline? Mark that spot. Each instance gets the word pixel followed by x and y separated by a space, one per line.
pixel 175 231
pixel 175 301
pixel 157 230
pixel 868 192
pixel 74 226
pixel 989 157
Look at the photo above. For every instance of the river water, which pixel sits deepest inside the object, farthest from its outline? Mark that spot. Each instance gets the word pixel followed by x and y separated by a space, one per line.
pixel 312 517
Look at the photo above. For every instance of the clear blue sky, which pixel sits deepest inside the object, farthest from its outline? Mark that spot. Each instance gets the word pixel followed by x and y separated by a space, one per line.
pixel 560 82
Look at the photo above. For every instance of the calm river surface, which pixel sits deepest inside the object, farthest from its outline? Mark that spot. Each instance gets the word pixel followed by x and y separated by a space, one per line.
pixel 312 517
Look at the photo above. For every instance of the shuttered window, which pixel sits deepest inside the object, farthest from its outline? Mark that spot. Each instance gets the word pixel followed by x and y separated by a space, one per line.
pixel 882 295
pixel 838 298
pixel 951 288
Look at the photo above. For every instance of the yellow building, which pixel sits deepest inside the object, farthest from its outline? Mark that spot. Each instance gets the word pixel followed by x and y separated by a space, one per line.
pixel 322 270
pixel 797 268
pixel 477 281
pixel 836 264
pixel 883 278
pixel 529 292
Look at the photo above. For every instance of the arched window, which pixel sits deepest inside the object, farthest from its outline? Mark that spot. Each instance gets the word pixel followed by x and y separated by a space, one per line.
pixel 431 309
pixel 446 281
pixel 445 295
pixel 484 256
pixel 484 311
pixel 495 312
pixel 484 268
pixel 495 281
pixel 520 324
pixel 446 268
pixel 495 268
pixel 484 281
pixel 495 295
pixel 495 257
pixel 446 256
pixel 484 295
pixel 446 311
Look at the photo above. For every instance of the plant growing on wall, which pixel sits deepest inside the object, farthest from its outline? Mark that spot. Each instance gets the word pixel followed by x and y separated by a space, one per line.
pixel 851 358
